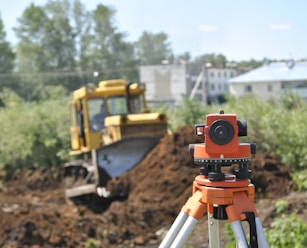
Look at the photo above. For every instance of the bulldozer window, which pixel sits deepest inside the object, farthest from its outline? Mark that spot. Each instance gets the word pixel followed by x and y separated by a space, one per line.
pixel 96 114
pixel 137 104
pixel 117 105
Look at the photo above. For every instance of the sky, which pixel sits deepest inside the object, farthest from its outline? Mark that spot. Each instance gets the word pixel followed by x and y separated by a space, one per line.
pixel 238 29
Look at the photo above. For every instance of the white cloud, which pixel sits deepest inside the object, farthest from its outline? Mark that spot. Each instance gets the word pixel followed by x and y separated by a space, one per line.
pixel 280 26
pixel 208 28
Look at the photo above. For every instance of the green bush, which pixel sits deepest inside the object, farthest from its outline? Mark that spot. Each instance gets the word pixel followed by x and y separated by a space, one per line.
pixel 34 134
pixel 277 127
pixel 300 179
pixel 287 232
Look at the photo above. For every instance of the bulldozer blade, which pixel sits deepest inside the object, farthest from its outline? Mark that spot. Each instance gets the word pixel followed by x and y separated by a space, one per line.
pixel 121 156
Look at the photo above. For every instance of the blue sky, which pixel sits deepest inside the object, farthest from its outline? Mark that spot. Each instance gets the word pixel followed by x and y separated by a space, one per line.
pixel 238 29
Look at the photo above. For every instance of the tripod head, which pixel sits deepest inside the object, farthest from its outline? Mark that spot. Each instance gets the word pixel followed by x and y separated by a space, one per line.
pixel 221 146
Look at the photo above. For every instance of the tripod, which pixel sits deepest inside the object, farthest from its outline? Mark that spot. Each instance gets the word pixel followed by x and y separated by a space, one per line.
pixel 230 199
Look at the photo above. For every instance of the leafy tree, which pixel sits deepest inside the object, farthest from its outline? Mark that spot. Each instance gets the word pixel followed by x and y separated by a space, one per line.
pixel 110 52
pixel 216 60
pixel 58 37
pixel 252 63
pixel 183 58
pixel 83 36
pixel 151 48
pixel 7 55
pixel 30 32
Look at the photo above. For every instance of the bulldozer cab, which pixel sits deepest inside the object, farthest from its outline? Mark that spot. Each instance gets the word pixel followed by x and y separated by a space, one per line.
pixel 91 106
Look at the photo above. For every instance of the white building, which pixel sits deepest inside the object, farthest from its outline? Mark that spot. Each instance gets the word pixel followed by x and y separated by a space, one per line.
pixel 271 80
pixel 164 83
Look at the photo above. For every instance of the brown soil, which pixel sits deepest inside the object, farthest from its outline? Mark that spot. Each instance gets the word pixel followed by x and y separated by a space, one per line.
pixel 33 212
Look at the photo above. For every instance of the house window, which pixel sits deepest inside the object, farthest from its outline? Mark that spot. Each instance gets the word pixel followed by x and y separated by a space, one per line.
pixel 212 87
pixel 225 74
pixel 212 74
pixel 247 88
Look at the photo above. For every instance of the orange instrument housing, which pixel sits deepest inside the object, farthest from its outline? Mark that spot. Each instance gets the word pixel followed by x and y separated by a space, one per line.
pixel 221 144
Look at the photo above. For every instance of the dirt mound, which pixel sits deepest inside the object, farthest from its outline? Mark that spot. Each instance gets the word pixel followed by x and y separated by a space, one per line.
pixel 35 214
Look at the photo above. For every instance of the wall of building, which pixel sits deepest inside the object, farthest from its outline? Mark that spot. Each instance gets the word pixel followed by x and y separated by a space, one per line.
pixel 164 83
pixel 265 90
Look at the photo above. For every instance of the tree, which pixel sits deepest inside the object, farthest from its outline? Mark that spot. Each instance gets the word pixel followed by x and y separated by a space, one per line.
pixel 45 47
pixel 83 36
pixel 152 49
pixel 30 47
pixel 252 63
pixel 216 60
pixel 111 54
pixel 7 55
pixel 58 40
pixel 183 58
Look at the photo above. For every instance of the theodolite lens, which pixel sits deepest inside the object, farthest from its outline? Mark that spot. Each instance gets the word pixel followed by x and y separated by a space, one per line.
pixel 221 132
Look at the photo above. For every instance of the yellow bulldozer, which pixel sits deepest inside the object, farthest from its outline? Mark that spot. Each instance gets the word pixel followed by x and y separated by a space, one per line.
pixel 111 130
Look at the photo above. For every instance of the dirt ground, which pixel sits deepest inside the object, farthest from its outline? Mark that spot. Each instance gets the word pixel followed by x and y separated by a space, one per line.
pixel 33 211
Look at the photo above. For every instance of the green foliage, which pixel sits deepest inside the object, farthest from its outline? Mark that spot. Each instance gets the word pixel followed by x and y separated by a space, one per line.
pixel 213 59
pixel 34 134
pixel 300 179
pixel 92 243
pixel 252 63
pixel 281 206
pixel 151 48
pixel 287 232
pixel 7 55
pixel 276 127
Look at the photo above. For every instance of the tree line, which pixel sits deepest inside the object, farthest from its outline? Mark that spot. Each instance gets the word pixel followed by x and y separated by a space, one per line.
pixel 63 43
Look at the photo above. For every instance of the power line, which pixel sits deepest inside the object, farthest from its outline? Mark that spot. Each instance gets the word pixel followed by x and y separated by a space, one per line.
pixel 56 74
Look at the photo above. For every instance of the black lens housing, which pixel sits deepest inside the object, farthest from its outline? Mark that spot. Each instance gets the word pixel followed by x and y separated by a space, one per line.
pixel 221 132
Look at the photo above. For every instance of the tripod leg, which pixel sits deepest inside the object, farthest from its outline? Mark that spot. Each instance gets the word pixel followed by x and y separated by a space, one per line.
pixel 262 242
pixel 189 216
pixel 185 232
pixel 174 230
pixel 213 227
pixel 239 234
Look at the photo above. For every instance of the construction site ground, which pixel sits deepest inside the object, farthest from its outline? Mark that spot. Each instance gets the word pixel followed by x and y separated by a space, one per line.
pixel 34 213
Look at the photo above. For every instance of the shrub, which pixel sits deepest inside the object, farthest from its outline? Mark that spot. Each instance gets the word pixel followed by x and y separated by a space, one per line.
pixel 34 134
pixel 287 232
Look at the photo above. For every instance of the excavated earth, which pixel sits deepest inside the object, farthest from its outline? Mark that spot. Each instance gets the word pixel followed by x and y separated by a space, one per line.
pixel 34 213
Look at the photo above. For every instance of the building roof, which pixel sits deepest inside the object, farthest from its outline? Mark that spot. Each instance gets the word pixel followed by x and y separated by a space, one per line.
pixel 269 72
